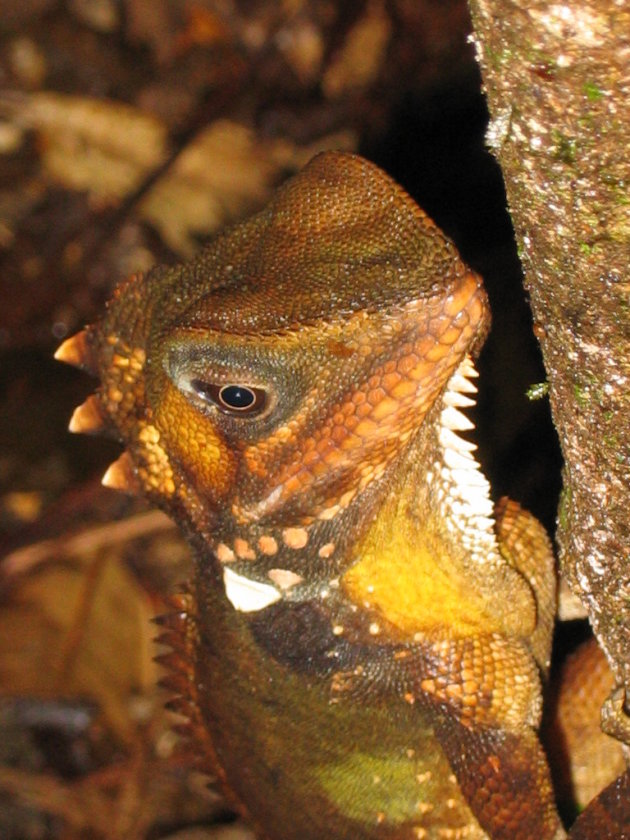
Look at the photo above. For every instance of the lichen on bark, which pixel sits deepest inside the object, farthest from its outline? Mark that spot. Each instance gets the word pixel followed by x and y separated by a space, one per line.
pixel 557 77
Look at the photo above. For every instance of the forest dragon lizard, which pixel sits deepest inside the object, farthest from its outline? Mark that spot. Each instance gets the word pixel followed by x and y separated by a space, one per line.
pixel 362 649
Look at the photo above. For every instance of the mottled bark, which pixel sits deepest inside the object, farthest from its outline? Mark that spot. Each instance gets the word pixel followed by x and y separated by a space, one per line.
pixel 558 84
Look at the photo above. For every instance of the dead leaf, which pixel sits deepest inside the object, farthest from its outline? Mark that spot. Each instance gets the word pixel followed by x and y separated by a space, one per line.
pixel 79 628
pixel 126 799
pixel 221 176
pixel 108 149
pixel 101 146
pixel 359 62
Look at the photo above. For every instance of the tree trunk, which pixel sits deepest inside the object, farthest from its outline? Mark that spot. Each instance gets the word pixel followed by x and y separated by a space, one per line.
pixel 558 85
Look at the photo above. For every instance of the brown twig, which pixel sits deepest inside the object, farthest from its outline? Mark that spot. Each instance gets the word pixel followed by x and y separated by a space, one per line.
pixel 22 560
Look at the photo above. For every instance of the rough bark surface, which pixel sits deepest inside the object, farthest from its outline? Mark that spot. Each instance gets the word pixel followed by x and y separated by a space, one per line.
pixel 558 85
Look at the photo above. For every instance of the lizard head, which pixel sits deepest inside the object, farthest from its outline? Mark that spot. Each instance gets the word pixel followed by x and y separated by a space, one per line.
pixel 265 391
pixel 291 397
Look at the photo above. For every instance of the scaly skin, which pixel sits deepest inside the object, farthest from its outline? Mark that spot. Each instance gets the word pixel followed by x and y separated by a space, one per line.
pixel 361 651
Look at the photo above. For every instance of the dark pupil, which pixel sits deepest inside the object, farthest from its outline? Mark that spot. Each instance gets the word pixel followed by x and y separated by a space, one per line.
pixel 231 399
pixel 237 396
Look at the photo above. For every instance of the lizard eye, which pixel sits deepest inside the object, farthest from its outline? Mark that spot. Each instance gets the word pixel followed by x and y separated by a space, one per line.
pixel 232 399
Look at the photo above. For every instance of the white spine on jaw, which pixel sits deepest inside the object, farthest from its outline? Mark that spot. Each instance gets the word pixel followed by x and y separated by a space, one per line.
pixel 464 492
pixel 247 595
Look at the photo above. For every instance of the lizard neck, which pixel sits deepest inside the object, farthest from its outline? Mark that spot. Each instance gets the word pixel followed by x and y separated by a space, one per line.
pixel 429 562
